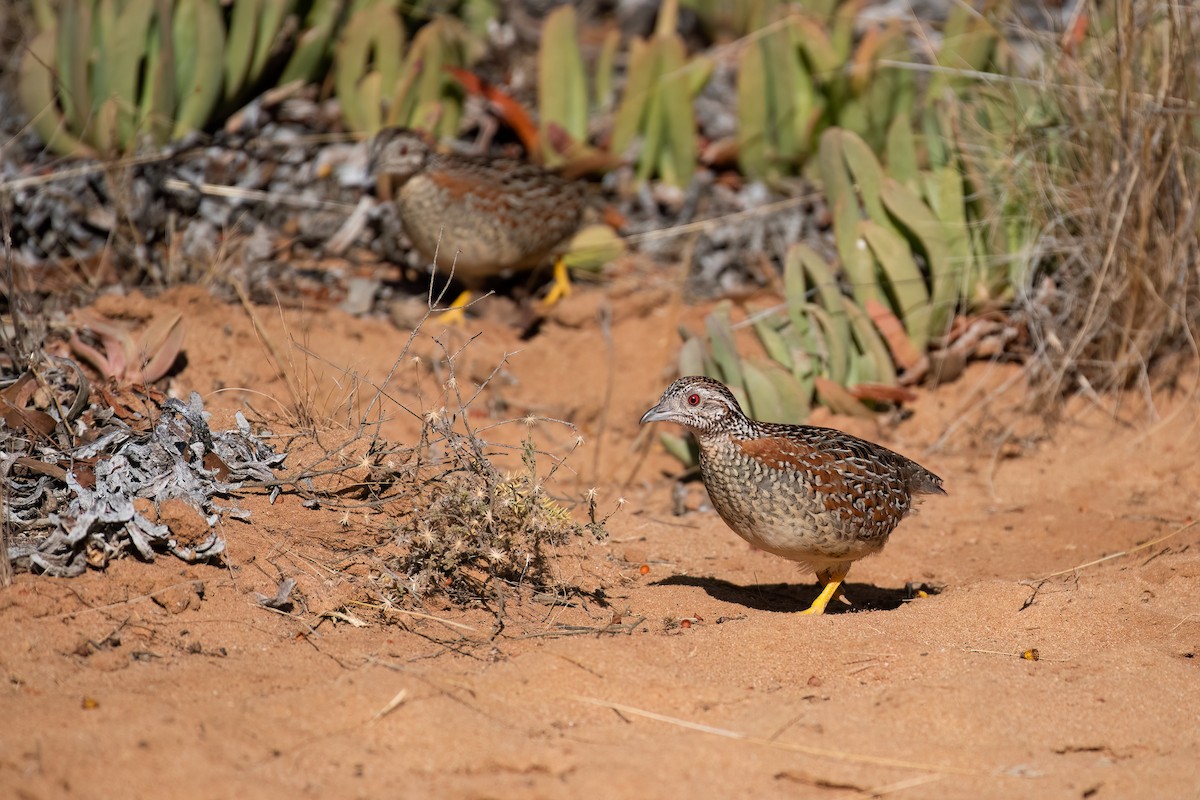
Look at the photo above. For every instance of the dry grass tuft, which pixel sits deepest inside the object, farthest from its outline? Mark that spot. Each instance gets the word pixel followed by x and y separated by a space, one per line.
pixel 442 518
pixel 1116 191
pixel 473 531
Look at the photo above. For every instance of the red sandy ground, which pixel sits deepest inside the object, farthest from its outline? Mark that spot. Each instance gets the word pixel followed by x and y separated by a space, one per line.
pixel 209 695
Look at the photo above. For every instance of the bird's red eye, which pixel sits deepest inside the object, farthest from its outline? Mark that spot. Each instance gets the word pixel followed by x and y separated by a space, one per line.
pixel 693 399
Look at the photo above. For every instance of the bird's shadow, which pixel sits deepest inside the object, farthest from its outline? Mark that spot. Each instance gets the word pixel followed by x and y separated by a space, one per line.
pixel 787 598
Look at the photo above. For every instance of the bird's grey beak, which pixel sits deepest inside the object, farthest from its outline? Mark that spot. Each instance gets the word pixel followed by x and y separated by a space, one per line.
pixel 656 414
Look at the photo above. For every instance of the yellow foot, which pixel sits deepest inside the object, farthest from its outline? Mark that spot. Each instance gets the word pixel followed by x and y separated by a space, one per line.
pixel 831 583
pixel 457 315
pixel 562 283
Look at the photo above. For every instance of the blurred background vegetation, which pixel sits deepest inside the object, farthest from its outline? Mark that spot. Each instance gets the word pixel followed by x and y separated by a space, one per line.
pixel 986 164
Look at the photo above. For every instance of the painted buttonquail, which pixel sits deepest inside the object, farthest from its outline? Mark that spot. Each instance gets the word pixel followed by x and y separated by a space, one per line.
pixel 813 495
pixel 480 215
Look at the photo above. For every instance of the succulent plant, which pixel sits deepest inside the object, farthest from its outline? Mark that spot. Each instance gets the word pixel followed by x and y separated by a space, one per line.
pixel 656 106
pixel 100 76
pixel 380 80
pixel 123 358
pixel 802 73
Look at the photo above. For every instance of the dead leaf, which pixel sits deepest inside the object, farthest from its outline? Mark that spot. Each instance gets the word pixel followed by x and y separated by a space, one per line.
pixel 892 330
pixel 839 400
pixel 511 112
pixel 159 346
pixel 882 393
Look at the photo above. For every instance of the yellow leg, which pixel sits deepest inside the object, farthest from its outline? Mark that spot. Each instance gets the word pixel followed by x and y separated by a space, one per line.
pixel 457 315
pixel 562 283
pixel 831 582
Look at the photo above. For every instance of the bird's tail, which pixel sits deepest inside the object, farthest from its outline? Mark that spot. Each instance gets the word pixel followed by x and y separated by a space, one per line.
pixel 922 481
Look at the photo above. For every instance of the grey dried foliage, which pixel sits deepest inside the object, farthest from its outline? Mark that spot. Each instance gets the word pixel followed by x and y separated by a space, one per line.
pixel 151 217
pixel 60 529
pixel 276 186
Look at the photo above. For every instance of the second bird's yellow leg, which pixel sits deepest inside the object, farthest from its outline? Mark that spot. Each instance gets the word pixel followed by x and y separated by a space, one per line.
pixel 457 315
pixel 562 283
pixel 831 583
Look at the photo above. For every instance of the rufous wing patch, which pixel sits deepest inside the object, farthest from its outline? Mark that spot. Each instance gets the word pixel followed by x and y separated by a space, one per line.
pixel 781 453
pixel 455 185
pixel 834 476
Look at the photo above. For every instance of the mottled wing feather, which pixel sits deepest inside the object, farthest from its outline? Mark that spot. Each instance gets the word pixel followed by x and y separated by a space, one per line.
pixel 853 479
pixel 454 184
pixel 537 210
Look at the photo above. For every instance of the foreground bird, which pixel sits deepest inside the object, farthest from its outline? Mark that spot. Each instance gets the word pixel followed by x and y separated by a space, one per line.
pixel 481 216
pixel 813 495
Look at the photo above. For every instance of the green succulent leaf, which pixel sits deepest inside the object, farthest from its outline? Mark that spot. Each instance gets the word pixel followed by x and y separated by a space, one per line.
pixel 720 336
pixel 271 31
pixel 592 247
pixel 239 50
pixel 901 151
pixel 605 69
pixel 199 47
pixel 314 43
pixel 73 52
pixel 833 349
pixel 867 174
pixel 904 279
pixel 35 90
pixel 754 152
pixel 684 449
pixel 127 44
pixel 829 312
pixel 691 357
pixel 773 341
pixel 930 232
pixel 795 395
pixel 367 60
pixel 634 105
pixel 763 395
pixel 874 350
pixel 675 91
pixel 562 89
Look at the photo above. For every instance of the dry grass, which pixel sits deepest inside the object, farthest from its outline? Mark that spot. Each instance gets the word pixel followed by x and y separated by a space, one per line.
pixel 1115 193
pixel 440 517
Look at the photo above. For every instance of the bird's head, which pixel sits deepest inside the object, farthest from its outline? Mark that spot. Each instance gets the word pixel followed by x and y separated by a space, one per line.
pixel 396 154
pixel 700 404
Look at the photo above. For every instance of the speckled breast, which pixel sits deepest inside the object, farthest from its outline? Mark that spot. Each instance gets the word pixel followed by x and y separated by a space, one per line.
pixel 472 239
pixel 782 511
pixel 488 225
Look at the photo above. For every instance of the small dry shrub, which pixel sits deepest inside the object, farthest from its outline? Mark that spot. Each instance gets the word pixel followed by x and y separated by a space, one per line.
pixel 469 525
pixel 443 519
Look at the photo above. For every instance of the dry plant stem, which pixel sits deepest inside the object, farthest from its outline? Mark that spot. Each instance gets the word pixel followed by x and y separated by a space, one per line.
pixel 273 351
pixel 88 169
pixel 392 705
pixel 820 752
pixel 461 527
pixel 610 361
pixel 421 615
pixel 6 569
pixel 1111 556
pixel 272 198
pixel 16 350
pixel 369 424
pixel 713 223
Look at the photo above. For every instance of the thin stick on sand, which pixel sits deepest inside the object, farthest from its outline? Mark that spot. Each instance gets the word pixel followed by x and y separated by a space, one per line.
pixel 841 755
pixel 1111 556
